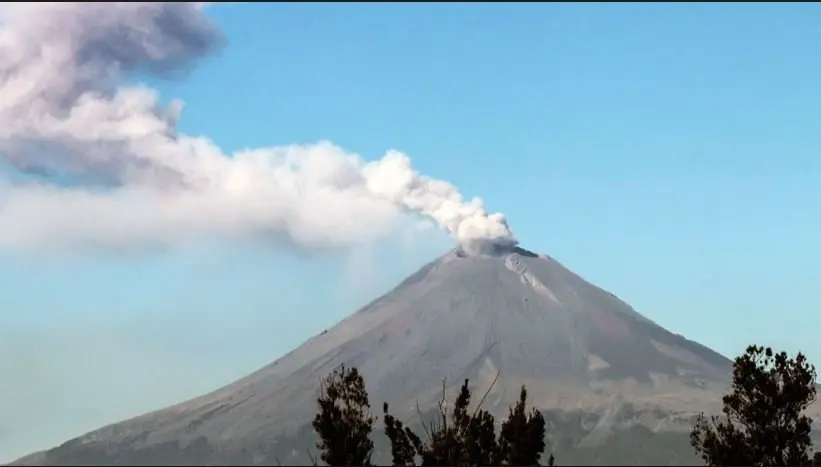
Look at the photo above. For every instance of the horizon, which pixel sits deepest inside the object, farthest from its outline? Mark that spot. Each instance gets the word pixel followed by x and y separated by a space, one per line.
pixel 665 153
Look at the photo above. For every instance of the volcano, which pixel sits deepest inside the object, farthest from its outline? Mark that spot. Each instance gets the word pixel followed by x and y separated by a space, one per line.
pixel 600 371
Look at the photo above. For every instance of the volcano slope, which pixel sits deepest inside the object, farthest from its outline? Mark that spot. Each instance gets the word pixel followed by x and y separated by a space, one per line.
pixel 617 387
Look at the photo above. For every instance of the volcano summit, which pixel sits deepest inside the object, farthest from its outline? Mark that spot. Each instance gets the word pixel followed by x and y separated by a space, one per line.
pixel 603 373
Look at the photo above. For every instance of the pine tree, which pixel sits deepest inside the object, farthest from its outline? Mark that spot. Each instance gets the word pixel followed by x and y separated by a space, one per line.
pixel 458 438
pixel 763 421
pixel 469 438
pixel 404 442
pixel 343 422
pixel 521 439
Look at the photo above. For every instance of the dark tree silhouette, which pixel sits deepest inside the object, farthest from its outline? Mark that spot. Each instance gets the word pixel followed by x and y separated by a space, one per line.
pixel 344 422
pixel 763 422
pixel 469 438
pixel 404 442
pixel 465 439
pixel 521 439
pixel 480 440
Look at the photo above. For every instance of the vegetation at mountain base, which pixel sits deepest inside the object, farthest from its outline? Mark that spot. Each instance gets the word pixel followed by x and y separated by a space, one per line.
pixel 763 420
pixel 521 439
pixel 469 438
pixel 464 436
pixel 344 422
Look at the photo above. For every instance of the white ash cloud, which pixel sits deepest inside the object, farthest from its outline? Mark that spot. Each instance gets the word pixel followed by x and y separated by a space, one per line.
pixel 67 114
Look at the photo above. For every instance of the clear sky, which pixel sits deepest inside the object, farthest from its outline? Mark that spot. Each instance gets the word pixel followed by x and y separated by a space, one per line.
pixel 668 153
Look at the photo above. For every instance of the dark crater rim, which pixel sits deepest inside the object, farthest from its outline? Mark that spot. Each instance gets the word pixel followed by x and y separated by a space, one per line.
pixel 497 249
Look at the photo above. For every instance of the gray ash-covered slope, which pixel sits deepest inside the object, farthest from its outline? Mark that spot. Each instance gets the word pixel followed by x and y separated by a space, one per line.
pixel 578 348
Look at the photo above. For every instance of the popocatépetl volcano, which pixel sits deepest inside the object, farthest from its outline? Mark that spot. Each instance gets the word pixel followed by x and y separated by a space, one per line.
pixel 577 348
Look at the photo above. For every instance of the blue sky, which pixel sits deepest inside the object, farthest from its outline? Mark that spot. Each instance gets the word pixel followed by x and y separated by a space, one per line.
pixel 667 153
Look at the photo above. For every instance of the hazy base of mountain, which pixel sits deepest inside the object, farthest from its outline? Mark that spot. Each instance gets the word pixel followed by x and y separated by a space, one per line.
pixel 616 387
pixel 633 444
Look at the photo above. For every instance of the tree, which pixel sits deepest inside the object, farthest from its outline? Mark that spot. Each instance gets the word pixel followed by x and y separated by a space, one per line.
pixel 469 438
pixel 521 439
pixel 404 442
pixel 480 440
pixel 763 422
pixel 344 422
pixel 461 439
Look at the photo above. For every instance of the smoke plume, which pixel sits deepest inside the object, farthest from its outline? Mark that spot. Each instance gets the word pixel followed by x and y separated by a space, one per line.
pixel 91 160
